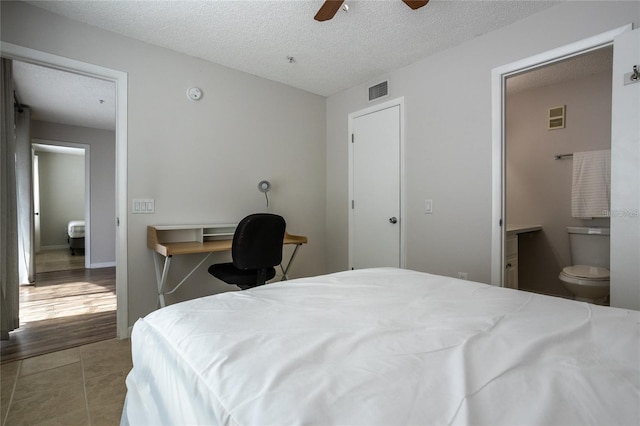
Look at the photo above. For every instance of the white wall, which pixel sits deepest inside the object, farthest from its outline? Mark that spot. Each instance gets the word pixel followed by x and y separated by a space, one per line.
pixel 200 161
pixel 448 137
pixel 61 195
pixel 103 171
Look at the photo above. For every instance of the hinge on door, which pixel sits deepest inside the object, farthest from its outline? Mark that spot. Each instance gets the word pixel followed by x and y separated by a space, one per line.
pixel 353 203
pixel 352 138
pixel 500 224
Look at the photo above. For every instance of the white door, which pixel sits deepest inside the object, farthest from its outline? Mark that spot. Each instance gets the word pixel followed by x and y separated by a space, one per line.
pixel 375 225
pixel 625 176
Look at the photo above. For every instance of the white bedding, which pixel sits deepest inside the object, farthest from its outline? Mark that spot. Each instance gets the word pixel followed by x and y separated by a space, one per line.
pixel 384 347
pixel 75 229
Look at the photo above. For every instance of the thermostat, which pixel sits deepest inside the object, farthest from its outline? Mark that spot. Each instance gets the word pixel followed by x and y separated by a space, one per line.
pixel 194 93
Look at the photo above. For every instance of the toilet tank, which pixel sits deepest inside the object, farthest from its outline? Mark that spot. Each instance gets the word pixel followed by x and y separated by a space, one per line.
pixel 589 246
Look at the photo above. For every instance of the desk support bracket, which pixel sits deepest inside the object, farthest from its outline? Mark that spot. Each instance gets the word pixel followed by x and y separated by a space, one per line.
pixel 162 277
pixel 285 271
pixel 162 271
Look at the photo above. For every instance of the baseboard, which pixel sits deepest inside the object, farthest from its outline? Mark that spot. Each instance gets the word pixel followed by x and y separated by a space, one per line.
pixel 102 265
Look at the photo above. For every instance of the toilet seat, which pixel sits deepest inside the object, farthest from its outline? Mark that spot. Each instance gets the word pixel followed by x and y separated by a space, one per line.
pixel 595 273
pixel 583 275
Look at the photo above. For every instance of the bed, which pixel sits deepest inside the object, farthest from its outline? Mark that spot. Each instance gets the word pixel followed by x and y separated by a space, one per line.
pixel 384 346
pixel 75 235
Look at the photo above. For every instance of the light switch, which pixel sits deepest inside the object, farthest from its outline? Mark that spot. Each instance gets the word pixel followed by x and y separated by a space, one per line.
pixel 428 206
pixel 143 206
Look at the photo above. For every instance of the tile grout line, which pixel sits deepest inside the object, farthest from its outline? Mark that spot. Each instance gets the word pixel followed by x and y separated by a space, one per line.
pixel 13 391
pixel 84 388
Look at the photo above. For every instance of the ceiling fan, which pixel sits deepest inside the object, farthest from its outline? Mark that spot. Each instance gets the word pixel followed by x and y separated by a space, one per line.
pixel 330 7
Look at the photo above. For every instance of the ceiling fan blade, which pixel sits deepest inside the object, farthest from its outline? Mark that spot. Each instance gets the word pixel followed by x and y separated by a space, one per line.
pixel 328 10
pixel 415 4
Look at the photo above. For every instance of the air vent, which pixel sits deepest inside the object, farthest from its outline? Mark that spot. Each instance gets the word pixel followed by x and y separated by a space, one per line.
pixel 378 91
pixel 556 117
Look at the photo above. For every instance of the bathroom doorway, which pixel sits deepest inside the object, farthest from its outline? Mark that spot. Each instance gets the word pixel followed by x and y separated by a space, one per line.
pixel 551 112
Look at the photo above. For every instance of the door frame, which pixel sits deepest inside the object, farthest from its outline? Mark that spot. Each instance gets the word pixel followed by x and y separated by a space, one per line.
pixel 87 189
pixel 498 159
pixel 37 57
pixel 403 228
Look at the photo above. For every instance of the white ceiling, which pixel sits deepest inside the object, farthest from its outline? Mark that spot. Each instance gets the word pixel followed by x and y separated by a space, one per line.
pixel 257 37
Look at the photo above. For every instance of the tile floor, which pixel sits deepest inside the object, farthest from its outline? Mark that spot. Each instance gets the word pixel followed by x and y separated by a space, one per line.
pixel 78 386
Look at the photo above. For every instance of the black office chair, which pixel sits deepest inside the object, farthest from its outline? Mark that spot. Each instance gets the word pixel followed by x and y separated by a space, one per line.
pixel 256 250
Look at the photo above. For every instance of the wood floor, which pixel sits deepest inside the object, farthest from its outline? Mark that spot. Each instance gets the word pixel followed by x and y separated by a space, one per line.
pixel 64 309
pixel 59 260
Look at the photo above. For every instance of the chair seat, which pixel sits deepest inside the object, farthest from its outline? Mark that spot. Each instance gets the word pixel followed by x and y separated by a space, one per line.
pixel 242 278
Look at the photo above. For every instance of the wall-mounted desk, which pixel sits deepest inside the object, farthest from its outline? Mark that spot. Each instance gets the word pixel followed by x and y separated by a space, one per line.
pixel 169 240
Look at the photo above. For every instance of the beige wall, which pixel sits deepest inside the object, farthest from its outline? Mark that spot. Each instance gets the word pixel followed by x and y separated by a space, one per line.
pixel 61 196
pixel 200 161
pixel 539 187
pixel 102 166
pixel 448 137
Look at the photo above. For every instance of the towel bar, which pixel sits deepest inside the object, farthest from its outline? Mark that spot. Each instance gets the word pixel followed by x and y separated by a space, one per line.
pixel 561 156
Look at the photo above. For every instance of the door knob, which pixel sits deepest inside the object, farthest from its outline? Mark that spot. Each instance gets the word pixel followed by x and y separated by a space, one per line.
pixel 393 219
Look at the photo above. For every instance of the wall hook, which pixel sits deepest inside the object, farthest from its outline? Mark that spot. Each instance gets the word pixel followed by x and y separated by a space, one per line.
pixel 633 76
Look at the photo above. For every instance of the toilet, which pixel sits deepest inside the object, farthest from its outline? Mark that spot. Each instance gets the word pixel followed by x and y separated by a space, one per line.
pixel 588 278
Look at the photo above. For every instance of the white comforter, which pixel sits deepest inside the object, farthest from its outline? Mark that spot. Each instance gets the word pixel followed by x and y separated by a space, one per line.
pixel 384 347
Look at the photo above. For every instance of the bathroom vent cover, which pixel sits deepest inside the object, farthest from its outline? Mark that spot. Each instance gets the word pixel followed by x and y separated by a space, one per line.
pixel 378 91
pixel 556 117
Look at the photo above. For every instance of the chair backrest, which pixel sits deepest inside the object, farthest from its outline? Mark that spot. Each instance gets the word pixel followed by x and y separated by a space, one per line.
pixel 257 241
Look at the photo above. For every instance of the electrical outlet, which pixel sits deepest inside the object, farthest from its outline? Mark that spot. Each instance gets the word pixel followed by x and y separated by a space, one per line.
pixel 463 275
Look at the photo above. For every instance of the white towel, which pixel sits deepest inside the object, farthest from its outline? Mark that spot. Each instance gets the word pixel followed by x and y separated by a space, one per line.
pixel 591 189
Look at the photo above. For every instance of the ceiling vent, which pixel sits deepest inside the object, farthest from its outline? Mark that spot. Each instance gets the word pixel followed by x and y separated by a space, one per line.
pixel 378 91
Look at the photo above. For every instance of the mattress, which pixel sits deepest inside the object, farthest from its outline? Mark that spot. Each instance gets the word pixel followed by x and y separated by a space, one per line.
pixel 384 347
pixel 75 229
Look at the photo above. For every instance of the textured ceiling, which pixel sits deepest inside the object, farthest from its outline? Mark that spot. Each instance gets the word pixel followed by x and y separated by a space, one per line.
pixel 258 36
pixel 372 38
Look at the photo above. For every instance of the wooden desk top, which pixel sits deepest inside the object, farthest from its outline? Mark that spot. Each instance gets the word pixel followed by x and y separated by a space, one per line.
pixel 190 247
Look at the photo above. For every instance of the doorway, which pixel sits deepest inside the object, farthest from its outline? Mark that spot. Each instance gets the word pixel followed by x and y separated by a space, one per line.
pixel 624 157
pixel 20 53
pixel 376 187
pixel 61 195
pixel 539 161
